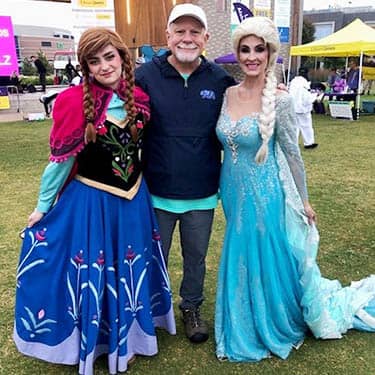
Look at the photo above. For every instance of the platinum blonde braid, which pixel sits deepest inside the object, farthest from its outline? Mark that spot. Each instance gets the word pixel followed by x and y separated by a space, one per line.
pixel 267 116
pixel 264 28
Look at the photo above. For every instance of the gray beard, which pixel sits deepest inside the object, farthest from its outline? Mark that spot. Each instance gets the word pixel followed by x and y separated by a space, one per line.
pixel 186 58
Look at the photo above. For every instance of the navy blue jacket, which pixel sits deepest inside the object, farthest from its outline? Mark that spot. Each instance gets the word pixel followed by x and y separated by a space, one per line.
pixel 181 152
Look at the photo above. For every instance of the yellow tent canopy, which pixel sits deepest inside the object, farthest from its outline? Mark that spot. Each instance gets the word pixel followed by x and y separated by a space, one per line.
pixel 352 40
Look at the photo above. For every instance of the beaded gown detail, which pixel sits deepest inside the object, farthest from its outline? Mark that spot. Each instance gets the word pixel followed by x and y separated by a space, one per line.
pixel 270 290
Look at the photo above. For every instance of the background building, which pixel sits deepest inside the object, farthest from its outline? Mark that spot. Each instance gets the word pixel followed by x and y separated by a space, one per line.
pixel 144 22
pixel 32 39
pixel 328 21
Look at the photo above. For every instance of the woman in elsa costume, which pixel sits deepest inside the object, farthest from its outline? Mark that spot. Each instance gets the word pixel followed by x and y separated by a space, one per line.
pixel 91 278
pixel 270 290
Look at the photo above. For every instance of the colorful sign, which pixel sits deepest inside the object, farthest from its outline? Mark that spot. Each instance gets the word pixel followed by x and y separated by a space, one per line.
pixel 284 34
pixel 282 19
pixel 262 8
pixel 92 3
pixel 8 55
pixel 91 13
pixel 4 98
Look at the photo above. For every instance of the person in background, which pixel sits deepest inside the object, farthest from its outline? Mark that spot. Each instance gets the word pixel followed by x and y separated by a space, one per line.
pixel 181 152
pixel 47 100
pixel 367 86
pixel 303 100
pixel 368 82
pixel 339 85
pixel 76 81
pixel 331 77
pixel 56 79
pixel 270 292
pixel 336 82
pixel 139 61
pixel 303 72
pixel 42 71
pixel 70 70
pixel 353 76
pixel 16 82
pixel 91 279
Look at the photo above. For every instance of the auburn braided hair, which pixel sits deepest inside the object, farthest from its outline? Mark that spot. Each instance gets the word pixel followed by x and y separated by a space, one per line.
pixel 91 42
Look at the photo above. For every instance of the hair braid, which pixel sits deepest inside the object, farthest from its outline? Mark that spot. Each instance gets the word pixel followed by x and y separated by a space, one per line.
pixel 267 116
pixel 129 76
pixel 93 40
pixel 88 110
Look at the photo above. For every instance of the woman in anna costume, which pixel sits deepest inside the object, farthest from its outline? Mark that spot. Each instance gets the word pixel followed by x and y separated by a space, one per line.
pixel 91 278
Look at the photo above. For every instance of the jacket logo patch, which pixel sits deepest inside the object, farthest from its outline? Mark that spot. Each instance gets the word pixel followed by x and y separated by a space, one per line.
pixel 207 94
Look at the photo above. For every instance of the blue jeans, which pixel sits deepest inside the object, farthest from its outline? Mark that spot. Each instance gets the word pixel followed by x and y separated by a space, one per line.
pixel 195 230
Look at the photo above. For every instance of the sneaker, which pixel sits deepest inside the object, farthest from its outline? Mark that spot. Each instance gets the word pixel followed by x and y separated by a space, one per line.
pixel 195 328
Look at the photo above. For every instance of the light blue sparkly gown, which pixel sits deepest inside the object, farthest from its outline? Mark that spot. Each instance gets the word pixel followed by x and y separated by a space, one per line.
pixel 270 290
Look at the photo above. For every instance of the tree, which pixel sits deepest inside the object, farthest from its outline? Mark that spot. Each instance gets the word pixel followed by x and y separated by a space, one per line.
pixel 308 32
pixel 42 57
pixel 28 69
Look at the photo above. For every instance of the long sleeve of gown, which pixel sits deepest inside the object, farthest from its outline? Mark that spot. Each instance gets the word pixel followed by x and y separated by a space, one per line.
pixel 53 179
pixel 286 136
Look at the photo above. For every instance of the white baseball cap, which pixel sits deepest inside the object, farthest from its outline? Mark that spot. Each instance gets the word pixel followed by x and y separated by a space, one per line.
pixel 188 10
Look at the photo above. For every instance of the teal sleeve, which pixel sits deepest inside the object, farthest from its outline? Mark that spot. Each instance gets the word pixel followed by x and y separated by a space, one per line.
pixel 286 134
pixel 53 180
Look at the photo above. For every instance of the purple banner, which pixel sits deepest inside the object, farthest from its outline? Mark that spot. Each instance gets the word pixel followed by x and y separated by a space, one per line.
pixel 8 55
pixel 242 11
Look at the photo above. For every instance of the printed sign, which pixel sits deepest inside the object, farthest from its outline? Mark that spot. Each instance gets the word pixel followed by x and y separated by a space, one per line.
pixel 283 34
pixel 262 8
pixel 91 13
pixel 4 98
pixel 341 109
pixel 282 19
pixel 8 55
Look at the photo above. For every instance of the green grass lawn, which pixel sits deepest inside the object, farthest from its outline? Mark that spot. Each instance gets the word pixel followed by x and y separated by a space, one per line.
pixel 341 175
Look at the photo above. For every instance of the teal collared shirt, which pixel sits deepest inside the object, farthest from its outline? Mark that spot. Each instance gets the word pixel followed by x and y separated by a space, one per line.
pixel 179 206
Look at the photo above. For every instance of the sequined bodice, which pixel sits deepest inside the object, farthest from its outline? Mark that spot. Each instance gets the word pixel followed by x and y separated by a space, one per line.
pixel 241 141
pixel 241 177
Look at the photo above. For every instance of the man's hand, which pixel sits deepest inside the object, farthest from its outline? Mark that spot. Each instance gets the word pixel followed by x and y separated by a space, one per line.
pixel 282 87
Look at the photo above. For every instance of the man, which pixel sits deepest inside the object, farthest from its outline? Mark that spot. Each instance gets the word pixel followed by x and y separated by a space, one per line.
pixel 70 70
pixel 41 71
pixel 47 101
pixel 181 151
pixel 353 76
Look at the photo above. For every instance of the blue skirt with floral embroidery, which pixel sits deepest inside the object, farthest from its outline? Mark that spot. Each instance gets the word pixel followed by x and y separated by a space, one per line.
pixel 92 280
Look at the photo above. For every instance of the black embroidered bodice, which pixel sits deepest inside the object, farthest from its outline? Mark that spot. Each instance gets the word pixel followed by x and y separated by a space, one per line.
pixel 114 159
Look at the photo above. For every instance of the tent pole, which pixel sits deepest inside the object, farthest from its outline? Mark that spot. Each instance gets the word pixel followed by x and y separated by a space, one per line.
pixel 359 83
pixel 288 78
